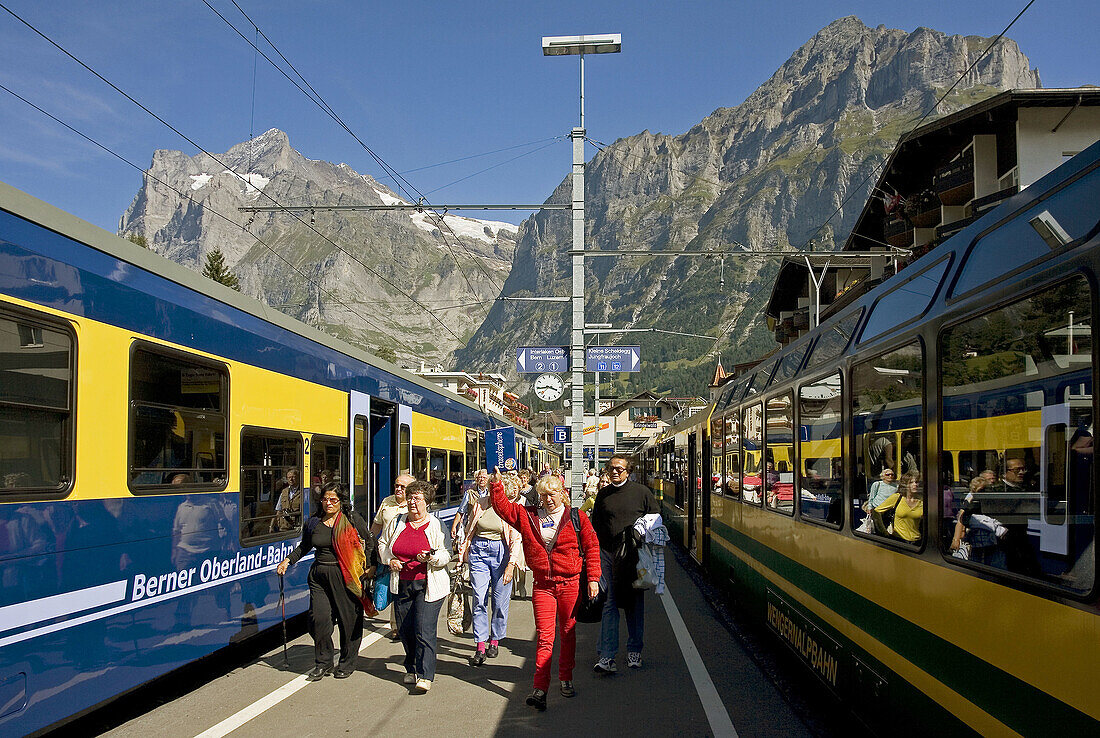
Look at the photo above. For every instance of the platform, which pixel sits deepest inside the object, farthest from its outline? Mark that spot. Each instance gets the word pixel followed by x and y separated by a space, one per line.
pixel 696 680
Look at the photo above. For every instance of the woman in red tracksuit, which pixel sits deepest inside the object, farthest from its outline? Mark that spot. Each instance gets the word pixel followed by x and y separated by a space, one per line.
pixel 553 553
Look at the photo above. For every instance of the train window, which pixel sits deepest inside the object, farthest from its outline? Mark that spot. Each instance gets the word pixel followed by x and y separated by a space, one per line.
pixel 739 390
pixel 454 484
pixel 271 484
pixel 821 465
pixel 404 447
pixel 36 383
pixel 752 464
pixel 732 481
pixel 790 363
pixel 717 437
pixel 833 340
pixel 328 462
pixel 177 422
pixel 760 381
pixel 437 474
pixel 1060 219
pixel 887 419
pixel 1017 412
pixel 779 455
pixel 471 453
pixel 906 302
pixel 420 463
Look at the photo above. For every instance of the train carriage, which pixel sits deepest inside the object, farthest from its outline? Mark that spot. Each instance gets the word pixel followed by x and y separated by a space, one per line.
pixel 970 376
pixel 151 423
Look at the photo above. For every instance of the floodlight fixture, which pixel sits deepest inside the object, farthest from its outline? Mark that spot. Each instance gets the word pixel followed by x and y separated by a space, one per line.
pixel 608 43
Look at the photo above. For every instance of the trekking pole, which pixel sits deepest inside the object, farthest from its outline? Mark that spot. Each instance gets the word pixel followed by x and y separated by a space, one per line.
pixel 282 607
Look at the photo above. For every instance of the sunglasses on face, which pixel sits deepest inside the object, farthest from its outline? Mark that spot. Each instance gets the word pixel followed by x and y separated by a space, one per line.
pixel 617 469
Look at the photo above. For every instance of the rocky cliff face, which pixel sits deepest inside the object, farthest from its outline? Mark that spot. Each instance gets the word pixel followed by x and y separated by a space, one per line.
pixel 766 173
pixel 352 274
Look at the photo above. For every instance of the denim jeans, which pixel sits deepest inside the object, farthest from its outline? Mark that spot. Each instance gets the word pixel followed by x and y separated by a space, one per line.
pixel 633 609
pixel 488 560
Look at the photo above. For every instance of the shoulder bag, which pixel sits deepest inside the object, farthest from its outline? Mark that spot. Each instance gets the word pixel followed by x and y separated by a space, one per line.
pixel 587 610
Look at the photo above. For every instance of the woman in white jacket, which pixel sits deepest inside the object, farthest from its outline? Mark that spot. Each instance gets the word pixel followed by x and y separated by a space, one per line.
pixel 413 548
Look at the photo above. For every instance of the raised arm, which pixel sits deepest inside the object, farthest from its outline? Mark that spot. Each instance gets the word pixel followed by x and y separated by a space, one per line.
pixel 508 511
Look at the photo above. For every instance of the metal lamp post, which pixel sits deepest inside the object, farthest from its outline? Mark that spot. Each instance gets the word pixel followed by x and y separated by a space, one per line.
pixel 579 46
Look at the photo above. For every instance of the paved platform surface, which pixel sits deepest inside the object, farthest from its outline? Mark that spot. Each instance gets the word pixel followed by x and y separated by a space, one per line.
pixel 696 680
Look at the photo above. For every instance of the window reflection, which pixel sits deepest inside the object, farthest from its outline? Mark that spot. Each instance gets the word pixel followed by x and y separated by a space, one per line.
pixel 821 495
pixel 752 463
pixel 1018 437
pixel 779 461
pixel 887 419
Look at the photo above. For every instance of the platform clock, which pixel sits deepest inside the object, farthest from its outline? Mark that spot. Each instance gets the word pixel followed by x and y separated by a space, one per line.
pixel 549 387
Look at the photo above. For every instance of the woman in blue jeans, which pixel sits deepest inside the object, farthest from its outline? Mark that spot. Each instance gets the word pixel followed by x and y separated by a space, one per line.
pixel 412 546
pixel 492 548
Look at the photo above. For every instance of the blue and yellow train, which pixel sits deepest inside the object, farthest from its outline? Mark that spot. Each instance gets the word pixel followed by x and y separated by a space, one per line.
pixel 970 377
pixel 148 421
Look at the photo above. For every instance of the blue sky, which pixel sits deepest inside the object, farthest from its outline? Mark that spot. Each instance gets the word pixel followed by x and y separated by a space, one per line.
pixel 422 83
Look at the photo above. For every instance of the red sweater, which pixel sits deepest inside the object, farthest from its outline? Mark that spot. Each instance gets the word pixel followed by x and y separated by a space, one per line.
pixel 564 559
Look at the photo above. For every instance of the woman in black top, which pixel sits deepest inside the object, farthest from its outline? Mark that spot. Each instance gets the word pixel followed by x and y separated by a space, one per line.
pixel 328 590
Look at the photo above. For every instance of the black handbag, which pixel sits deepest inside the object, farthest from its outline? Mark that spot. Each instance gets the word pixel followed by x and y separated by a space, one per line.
pixel 884 521
pixel 588 609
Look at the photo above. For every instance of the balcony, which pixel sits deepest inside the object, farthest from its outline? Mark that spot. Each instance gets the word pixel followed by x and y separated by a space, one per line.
pixel 954 183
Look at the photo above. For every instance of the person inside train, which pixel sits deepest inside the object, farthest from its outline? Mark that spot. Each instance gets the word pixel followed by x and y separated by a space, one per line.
pixel 413 548
pixel 288 507
pixel 978 536
pixel 618 506
pixel 492 548
pixel 392 506
pixel 338 537
pixel 907 506
pixel 552 547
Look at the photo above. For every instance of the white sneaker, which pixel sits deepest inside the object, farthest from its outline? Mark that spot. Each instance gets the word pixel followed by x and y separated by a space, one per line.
pixel 634 660
pixel 605 666
pixel 408 679
pixel 423 685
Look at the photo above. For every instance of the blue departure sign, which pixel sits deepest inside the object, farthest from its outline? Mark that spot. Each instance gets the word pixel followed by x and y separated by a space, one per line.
pixel 562 433
pixel 538 359
pixel 613 359
pixel 500 449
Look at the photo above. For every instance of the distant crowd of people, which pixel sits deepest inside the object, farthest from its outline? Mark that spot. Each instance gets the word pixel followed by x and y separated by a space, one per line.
pixel 508 528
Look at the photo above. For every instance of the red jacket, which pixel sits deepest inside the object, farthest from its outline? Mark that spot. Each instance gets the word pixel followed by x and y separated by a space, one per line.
pixel 564 560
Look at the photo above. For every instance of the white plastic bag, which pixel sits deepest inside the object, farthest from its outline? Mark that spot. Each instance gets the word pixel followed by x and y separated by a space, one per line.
pixel 647 574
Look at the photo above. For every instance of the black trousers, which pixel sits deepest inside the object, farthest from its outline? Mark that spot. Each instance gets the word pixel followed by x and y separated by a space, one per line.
pixel 327 594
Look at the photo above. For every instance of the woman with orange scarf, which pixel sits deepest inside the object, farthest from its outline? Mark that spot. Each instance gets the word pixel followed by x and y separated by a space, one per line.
pixel 335 580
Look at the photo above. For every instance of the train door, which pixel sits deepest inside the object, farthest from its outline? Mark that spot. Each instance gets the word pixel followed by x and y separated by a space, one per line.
pixel 702 500
pixel 383 434
pixel 359 433
pixel 693 483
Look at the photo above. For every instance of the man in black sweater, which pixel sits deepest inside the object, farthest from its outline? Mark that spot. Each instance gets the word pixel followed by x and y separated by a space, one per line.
pixel 617 507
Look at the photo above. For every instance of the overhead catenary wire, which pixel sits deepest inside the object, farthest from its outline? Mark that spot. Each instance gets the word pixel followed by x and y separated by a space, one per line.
pixel 188 197
pixel 186 138
pixel 399 181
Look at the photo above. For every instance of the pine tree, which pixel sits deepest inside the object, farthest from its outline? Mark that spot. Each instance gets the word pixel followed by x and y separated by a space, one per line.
pixel 215 269
pixel 138 239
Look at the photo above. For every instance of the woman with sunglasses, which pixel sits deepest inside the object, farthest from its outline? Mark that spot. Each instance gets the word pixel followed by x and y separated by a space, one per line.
pixel 412 546
pixel 552 547
pixel 337 536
